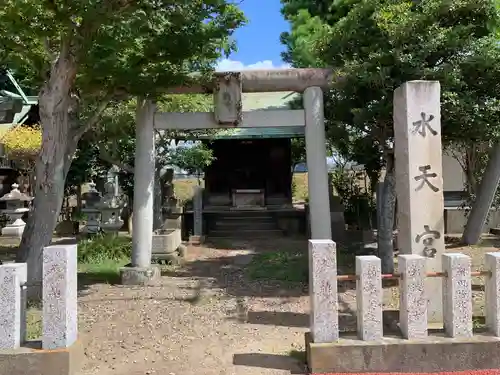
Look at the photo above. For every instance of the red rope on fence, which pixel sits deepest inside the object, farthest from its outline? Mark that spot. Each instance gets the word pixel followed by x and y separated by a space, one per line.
pixel 468 372
pixel 398 276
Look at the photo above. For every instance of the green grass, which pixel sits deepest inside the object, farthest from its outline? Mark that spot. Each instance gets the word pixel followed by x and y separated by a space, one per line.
pixel 280 265
pixel 34 322
pixel 100 258
pixel 106 272
pixel 300 187
pixel 293 266
pixel 105 248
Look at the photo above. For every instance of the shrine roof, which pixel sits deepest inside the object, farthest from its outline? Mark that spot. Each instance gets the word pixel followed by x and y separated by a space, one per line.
pixel 251 133
pixel 13 98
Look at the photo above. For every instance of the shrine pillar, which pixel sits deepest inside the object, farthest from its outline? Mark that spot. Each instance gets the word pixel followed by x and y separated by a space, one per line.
pixel 141 271
pixel 317 171
pixel 144 175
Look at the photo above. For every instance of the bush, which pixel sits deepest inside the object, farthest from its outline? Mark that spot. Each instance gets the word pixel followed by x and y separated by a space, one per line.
pixel 104 248
pixel 22 143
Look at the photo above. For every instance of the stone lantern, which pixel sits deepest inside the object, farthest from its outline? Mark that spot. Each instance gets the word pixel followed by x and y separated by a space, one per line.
pixel 111 207
pixel 15 209
pixel 91 211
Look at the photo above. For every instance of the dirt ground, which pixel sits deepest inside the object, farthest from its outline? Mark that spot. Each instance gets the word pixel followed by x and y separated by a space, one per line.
pixel 208 317
pixel 202 318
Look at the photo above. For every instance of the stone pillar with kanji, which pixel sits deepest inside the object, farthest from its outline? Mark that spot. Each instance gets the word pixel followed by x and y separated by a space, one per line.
pixel 419 181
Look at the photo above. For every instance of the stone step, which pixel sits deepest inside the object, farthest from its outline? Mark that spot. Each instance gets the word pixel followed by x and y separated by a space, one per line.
pixel 244 217
pixel 242 224
pixel 245 233
pixel 495 231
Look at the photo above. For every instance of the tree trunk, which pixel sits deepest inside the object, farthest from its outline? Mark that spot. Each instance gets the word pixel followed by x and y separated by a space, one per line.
pixel 471 163
pixel 79 202
pixel 484 199
pixel 386 216
pixel 57 115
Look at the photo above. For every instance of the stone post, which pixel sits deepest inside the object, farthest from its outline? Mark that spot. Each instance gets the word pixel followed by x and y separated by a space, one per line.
pixel 317 171
pixel 11 307
pixel 419 182
pixel 492 291
pixel 412 296
pixel 144 174
pixel 323 291
pixel 457 292
pixel 369 297
pixel 60 305
pixel 198 211
pixel 22 273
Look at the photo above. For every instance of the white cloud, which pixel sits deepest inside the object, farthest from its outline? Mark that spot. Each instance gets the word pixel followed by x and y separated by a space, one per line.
pixel 227 65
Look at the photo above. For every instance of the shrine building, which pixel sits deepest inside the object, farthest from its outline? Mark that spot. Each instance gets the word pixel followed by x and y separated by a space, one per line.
pixel 248 186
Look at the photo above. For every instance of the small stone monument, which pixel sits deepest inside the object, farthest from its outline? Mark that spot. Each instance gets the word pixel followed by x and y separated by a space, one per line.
pixel 91 211
pixel 15 209
pixel 171 210
pixel 111 207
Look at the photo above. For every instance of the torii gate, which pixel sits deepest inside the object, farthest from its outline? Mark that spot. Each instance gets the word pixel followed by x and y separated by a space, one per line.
pixel 227 89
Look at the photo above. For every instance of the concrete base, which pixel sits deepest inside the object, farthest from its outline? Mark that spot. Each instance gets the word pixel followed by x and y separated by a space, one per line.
pixel 34 361
pixel 393 354
pixel 139 275
pixel 15 232
pixel 196 240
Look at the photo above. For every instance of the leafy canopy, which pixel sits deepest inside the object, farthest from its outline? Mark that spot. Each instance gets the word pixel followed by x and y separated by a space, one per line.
pixel 136 47
pixel 192 159
pixel 376 45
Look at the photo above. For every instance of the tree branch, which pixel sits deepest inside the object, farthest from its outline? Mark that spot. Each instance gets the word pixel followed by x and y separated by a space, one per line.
pixel 104 155
pixel 94 120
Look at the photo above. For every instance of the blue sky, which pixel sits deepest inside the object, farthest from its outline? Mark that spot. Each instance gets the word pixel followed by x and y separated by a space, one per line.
pixel 258 42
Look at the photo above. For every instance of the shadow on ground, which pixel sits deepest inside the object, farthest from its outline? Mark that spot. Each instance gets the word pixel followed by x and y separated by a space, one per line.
pixel 85 279
pixel 270 361
pixel 260 268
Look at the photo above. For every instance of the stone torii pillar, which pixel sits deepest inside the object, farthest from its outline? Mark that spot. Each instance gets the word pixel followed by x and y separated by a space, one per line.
pixel 227 88
pixel 140 271
pixel 317 170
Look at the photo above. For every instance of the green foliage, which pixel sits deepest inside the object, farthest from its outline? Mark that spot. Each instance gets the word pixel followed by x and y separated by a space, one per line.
pixel 85 166
pixel 374 46
pixel 113 140
pixel 129 46
pixel 359 205
pixel 298 149
pixel 104 248
pixel 193 159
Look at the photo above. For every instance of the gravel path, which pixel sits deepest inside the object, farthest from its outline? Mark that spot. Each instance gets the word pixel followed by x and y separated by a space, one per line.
pixel 203 318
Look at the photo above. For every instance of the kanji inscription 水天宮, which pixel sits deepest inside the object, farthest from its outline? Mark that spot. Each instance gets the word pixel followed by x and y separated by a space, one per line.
pixel 428 236
pixel 421 126
pixel 424 178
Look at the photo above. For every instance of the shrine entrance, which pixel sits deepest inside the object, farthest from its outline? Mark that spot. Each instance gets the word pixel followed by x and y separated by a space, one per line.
pixel 249 173
pixel 229 113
